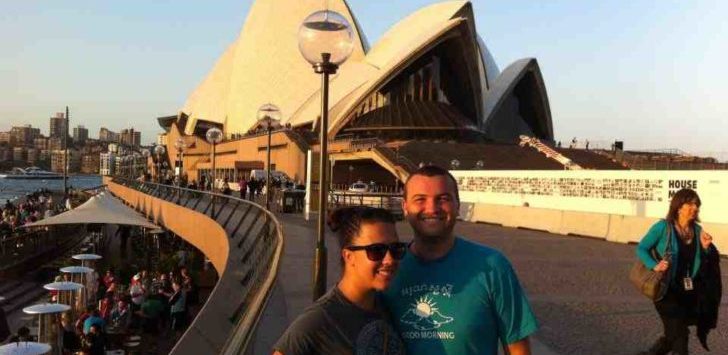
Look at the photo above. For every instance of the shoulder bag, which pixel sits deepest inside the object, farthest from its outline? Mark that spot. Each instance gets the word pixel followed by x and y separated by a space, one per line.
pixel 651 283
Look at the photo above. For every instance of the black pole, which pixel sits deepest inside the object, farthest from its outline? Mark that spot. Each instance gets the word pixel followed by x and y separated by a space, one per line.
pixel 212 185
pixel 267 179
pixel 65 157
pixel 320 262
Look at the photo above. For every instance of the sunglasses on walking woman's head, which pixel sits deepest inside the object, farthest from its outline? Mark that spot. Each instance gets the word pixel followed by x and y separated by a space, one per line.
pixel 377 251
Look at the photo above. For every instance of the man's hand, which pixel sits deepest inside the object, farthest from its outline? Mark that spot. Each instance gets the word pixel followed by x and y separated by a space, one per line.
pixel 521 347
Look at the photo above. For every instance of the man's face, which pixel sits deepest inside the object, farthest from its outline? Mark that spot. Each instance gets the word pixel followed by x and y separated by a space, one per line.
pixel 431 206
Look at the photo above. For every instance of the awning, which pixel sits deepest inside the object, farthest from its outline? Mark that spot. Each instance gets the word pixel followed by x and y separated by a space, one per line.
pixel 103 209
pixel 248 165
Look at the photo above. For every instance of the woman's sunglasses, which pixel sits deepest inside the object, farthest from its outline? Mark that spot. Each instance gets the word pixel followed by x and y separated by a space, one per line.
pixel 377 251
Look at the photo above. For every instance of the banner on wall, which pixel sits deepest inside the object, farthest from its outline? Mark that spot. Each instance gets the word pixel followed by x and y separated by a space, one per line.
pixel 626 192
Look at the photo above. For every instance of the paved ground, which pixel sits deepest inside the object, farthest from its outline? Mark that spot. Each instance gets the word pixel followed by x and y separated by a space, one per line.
pixel 577 286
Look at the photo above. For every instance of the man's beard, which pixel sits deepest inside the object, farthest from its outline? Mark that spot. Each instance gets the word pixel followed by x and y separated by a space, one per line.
pixel 431 234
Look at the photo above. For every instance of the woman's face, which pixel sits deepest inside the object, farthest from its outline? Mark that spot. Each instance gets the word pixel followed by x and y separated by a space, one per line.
pixel 688 211
pixel 366 273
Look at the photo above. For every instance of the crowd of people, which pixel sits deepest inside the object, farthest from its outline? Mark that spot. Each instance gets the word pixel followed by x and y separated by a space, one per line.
pixel 36 206
pixel 156 303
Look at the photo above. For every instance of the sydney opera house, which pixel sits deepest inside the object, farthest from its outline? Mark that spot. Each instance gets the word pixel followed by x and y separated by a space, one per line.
pixel 429 91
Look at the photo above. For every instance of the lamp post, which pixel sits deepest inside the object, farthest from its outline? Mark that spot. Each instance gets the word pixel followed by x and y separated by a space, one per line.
pixel 135 168
pixel 180 145
pixel 213 136
pixel 145 154
pixel 351 169
pixel 268 114
pixel 325 40
pixel 158 151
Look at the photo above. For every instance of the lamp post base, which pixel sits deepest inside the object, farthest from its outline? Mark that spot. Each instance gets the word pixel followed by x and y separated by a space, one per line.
pixel 319 272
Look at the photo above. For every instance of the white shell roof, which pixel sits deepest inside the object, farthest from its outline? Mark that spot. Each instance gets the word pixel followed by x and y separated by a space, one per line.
pixel 264 65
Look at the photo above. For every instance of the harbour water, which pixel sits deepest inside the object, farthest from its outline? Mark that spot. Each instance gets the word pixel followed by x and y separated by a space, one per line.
pixel 11 189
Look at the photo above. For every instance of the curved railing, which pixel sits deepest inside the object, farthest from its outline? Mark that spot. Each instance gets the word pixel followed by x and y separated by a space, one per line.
pixel 255 245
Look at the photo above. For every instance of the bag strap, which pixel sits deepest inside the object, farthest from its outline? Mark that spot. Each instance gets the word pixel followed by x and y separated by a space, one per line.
pixel 668 247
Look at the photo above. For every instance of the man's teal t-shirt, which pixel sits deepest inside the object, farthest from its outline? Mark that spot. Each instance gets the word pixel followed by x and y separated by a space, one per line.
pixel 467 302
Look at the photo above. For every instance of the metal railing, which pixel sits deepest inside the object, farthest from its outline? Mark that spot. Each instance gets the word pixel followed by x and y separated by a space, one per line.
pixel 255 238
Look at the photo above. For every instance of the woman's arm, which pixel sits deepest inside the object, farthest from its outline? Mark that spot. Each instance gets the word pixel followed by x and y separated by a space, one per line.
pixel 648 242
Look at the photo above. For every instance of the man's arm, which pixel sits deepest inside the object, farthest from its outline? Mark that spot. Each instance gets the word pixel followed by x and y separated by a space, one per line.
pixel 521 347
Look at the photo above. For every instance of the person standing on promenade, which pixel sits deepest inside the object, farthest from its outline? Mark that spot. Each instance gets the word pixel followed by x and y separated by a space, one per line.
pixel 452 296
pixel 349 318
pixel 692 266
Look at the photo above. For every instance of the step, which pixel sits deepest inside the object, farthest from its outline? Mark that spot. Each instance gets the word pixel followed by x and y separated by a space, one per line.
pixel 19 291
pixel 29 298
pixel 7 285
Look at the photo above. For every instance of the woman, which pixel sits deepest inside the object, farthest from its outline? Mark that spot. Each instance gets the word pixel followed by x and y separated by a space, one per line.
pixel 689 265
pixel 350 318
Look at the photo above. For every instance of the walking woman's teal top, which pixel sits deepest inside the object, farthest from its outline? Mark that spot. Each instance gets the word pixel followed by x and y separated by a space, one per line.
pixel 655 238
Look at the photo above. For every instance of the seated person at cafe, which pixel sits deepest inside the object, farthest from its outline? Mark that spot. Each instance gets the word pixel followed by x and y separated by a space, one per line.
pixel 121 315
pixel 93 319
pixel 150 313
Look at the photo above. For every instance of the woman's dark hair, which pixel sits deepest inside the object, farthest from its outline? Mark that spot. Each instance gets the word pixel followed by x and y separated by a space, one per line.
pixel 680 198
pixel 346 222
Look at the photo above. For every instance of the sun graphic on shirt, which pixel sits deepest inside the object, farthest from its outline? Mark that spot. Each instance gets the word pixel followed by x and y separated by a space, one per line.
pixel 425 307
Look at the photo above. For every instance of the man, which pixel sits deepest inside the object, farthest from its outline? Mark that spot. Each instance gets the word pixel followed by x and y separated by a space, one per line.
pixel 453 296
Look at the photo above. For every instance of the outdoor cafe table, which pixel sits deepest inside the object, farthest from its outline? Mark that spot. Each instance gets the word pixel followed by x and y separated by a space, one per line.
pixel 47 323
pixel 78 274
pixel 68 293
pixel 25 348
pixel 86 257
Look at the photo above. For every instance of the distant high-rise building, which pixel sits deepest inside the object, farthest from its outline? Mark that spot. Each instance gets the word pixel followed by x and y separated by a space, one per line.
pixel 74 161
pixel 59 125
pixel 80 134
pixel 90 164
pixel 41 143
pixel 55 143
pixel 24 135
pixel 130 137
pixel 106 135
pixel 19 153
pixel 32 156
pixel 5 154
pixel 7 139
pixel 107 163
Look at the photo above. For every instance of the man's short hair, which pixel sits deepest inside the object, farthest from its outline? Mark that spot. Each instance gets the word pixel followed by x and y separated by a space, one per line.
pixel 430 171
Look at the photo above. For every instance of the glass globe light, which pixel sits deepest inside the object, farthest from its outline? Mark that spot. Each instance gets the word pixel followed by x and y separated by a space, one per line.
pixel 455 164
pixel 268 114
pixel 214 135
pixel 325 32
pixel 479 165
pixel 159 150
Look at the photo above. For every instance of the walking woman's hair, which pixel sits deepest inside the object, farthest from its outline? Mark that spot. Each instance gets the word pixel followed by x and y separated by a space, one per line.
pixel 346 222
pixel 681 197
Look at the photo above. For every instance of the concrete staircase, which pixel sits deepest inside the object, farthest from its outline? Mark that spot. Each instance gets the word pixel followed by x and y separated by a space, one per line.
pixel 549 152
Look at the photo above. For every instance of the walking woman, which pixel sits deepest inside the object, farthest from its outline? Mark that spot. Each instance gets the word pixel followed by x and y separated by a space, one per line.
pixel 691 264
pixel 350 319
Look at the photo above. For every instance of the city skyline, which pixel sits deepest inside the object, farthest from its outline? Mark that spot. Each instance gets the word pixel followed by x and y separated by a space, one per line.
pixel 611 72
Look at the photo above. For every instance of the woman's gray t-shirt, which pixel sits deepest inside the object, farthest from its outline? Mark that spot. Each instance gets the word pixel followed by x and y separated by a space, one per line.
pixel 333 325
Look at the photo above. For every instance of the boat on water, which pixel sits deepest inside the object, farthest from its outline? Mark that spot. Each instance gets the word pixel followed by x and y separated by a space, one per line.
pixel 31 173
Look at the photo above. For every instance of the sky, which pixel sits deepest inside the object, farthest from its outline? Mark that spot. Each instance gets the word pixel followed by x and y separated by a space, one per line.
pixel 650 73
